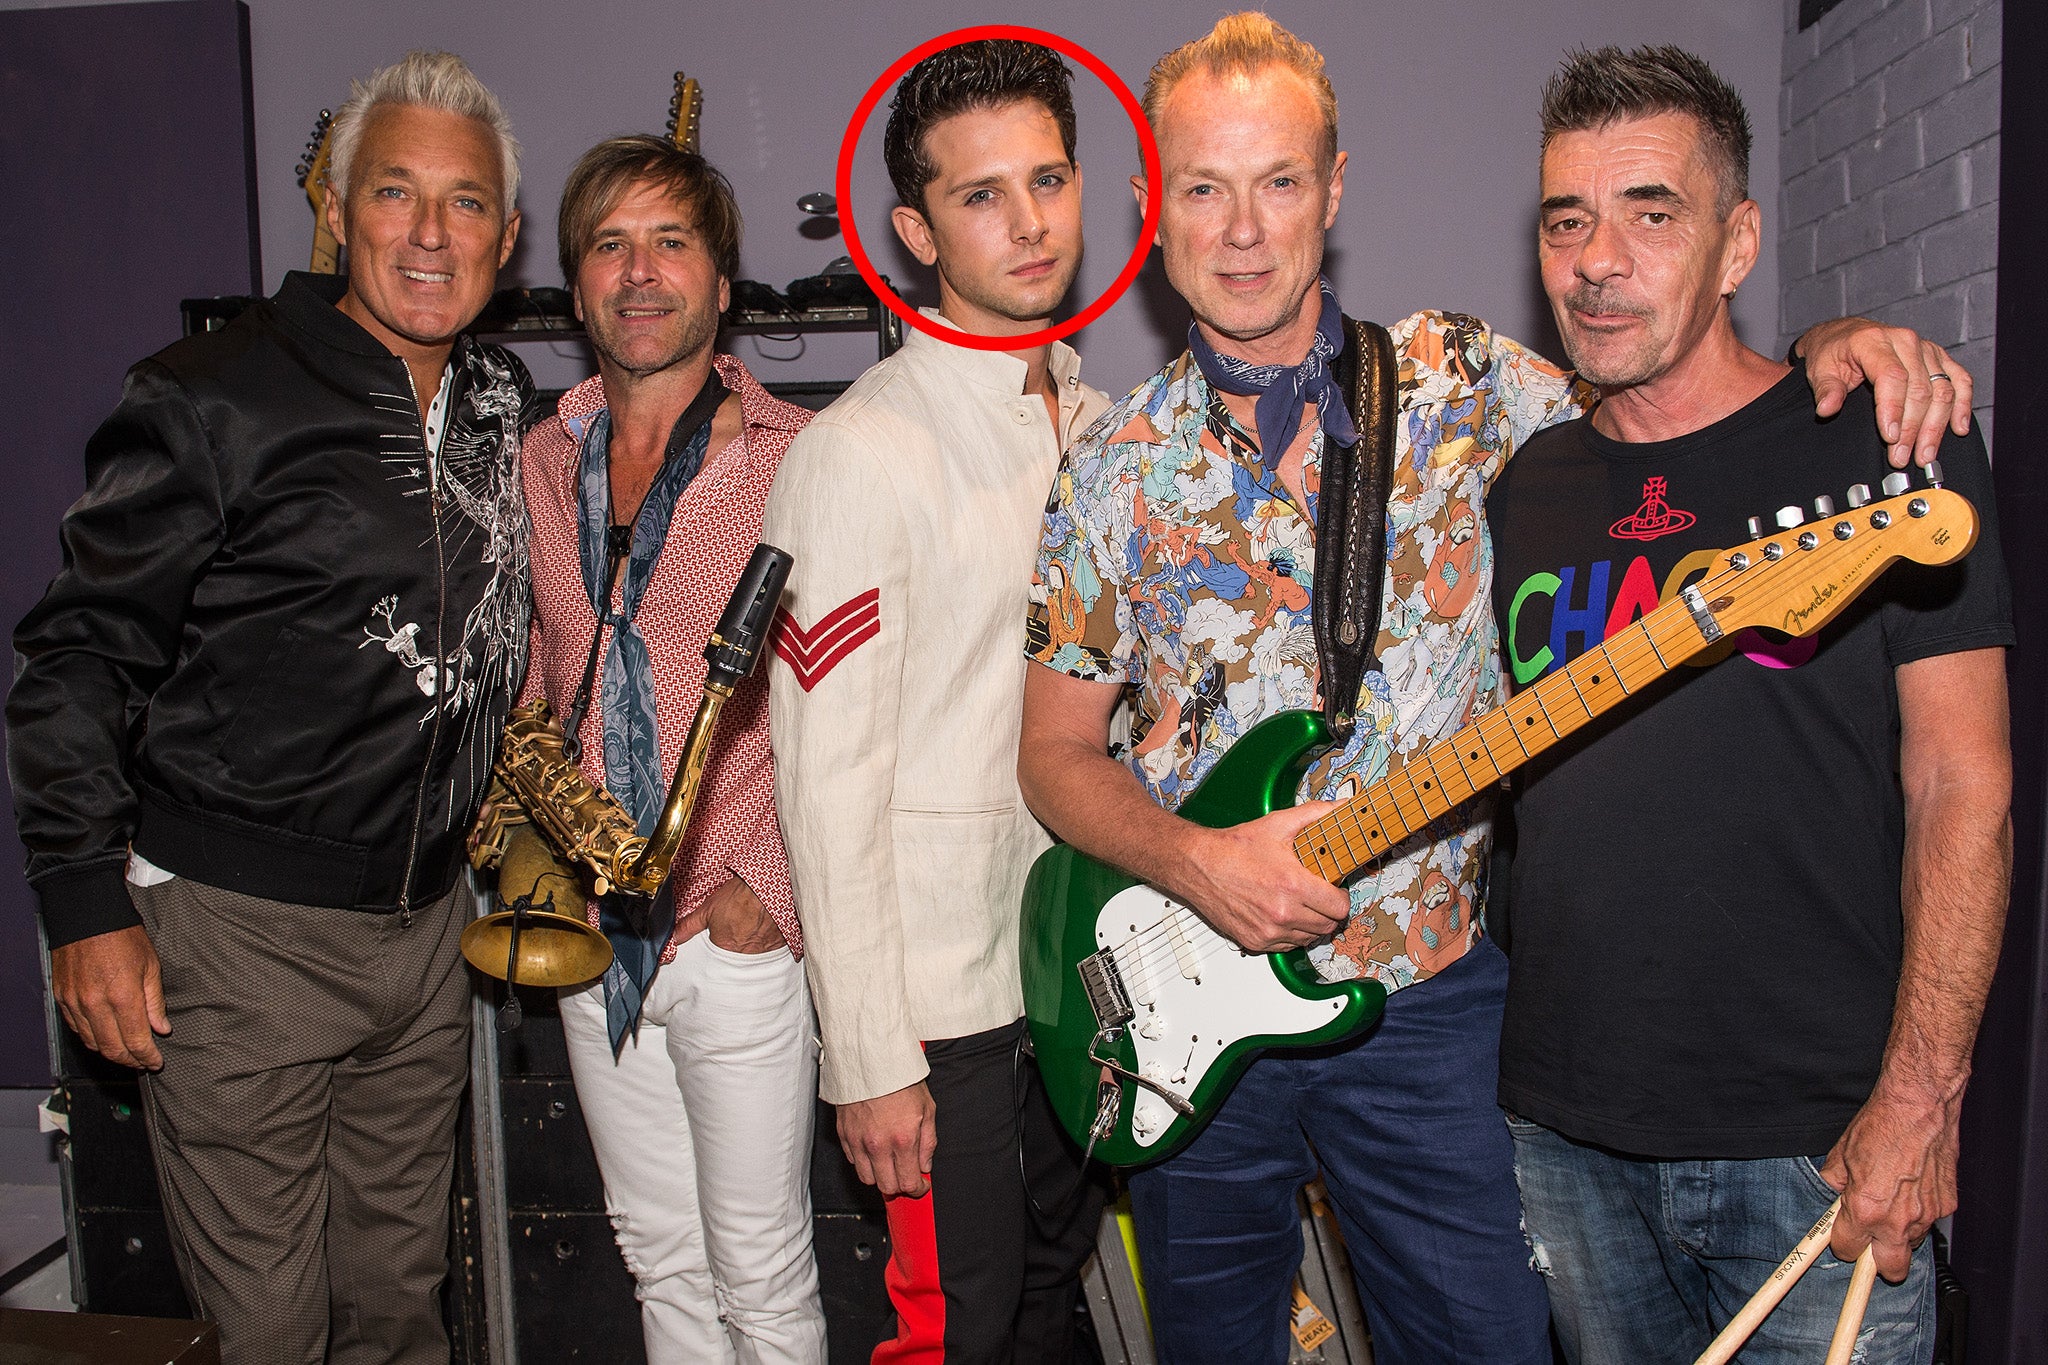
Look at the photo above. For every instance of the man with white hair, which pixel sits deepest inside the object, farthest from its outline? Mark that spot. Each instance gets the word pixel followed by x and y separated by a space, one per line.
pixel 253 719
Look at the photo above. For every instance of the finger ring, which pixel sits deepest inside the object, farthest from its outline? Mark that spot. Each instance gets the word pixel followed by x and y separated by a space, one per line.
pixel 1938 375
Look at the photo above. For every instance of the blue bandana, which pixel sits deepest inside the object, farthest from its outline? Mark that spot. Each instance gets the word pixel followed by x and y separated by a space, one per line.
pixel 1284 391
pixel 632 744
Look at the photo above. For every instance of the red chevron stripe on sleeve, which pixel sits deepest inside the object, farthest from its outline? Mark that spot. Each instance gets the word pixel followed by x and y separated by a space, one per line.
pixel 813 653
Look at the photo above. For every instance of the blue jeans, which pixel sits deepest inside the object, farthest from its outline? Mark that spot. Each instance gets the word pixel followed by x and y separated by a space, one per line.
pixel 1647 1260
pixel 1420 1172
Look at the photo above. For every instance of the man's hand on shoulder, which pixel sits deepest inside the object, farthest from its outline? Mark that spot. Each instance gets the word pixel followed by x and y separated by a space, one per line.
pixel 890 1140
pixel 111 993
pixel 1919 388
pixel 1248 883
pixel 1896 1167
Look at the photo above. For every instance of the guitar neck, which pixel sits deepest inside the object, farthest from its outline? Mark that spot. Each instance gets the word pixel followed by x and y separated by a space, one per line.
pixel 1454 770
pixel 326 251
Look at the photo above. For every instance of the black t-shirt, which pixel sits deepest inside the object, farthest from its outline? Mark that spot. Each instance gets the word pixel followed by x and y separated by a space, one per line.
pixel 1705 893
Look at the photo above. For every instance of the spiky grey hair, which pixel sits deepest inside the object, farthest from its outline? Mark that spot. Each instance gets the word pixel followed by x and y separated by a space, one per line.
pixel 1607 85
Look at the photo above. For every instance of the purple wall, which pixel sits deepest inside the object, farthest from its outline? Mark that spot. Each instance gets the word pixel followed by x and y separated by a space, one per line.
pixel 124 154
pixel 1439 117
pixel 1439 114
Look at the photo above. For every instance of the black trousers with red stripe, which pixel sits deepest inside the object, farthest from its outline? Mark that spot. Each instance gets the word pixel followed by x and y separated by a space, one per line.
pixel 985 1269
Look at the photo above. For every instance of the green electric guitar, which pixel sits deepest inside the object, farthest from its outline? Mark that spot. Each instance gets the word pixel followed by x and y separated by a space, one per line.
pixel 1143 1017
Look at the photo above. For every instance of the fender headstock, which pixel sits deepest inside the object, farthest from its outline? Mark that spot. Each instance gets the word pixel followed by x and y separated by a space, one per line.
pixel 1798 578
pixel 312 167
pixel 685 109
pixel 312 170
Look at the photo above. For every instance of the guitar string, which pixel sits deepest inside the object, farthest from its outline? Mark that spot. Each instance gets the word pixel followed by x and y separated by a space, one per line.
pixel 1152 946
pixel 1632 641
pixel 1146 949
pixel 1151 949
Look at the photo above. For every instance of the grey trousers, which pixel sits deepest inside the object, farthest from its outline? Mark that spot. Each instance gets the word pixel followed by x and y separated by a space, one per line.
pixel 304 1121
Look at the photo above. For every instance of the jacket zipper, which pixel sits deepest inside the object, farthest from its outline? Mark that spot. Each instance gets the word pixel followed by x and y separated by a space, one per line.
pixel 419 798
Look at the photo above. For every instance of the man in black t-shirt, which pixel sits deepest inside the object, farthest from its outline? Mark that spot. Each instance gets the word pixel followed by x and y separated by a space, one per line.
pixel 1756 911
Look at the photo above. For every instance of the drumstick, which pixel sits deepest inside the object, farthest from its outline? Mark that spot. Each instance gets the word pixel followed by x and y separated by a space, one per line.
pixel 1724 1346
pixel 1850 1324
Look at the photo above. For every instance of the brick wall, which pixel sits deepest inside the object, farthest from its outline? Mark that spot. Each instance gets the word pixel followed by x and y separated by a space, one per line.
pixel 1889 155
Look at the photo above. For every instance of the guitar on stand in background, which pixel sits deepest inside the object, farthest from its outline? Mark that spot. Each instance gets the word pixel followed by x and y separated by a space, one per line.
pixel 685 109
pixel 212 314
pixel 313 180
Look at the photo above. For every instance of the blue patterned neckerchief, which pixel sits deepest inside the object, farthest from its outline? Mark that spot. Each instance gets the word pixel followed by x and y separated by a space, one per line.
pixel 632 744
pixel 1284 391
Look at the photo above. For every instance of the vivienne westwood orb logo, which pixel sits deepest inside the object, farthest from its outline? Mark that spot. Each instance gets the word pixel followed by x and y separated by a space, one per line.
pixel 1656 517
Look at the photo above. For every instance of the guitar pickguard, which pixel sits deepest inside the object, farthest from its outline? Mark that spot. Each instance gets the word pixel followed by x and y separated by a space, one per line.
pixel 1193 995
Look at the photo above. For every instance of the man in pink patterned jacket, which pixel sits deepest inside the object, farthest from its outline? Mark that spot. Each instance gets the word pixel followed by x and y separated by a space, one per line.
pixel 694 1056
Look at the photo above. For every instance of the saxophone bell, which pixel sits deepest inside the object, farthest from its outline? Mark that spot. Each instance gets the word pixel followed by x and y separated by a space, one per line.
pixel 539 937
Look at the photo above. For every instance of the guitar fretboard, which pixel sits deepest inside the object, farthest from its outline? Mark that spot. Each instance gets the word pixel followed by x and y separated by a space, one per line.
pixel 1454 770
pixel 326 251
pixel 1790 582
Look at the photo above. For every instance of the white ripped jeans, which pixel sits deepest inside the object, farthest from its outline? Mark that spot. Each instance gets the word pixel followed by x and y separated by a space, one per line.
pixel 703 1133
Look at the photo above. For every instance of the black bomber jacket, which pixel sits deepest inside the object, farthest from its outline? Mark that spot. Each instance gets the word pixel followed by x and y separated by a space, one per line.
pixel 282 644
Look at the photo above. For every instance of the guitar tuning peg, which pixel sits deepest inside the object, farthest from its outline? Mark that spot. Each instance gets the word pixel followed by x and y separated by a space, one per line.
pixel 1896 483
pixel 1756 528
pixel 1789 517
pixel 1933 472
pixel 1823 506
pixel 1859 494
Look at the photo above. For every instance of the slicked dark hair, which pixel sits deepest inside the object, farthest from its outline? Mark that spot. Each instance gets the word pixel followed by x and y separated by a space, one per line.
pixel 611 170
pixel 992 73
pixel 1594 89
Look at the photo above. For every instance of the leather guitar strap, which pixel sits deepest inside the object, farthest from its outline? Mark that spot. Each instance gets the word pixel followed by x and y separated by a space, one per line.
pixel 1351 524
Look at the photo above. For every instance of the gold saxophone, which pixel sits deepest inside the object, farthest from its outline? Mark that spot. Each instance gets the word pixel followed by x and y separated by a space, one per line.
pixel 556 839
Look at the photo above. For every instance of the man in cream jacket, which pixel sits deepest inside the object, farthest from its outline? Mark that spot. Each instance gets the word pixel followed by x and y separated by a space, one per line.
pixel 912 507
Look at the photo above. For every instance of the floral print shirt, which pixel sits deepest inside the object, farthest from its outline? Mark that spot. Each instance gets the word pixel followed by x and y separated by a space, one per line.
pixel 1172 564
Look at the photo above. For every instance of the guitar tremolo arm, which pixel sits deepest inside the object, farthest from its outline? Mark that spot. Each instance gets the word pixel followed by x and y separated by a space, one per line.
pixel 1180 1102
pixel 1112 1006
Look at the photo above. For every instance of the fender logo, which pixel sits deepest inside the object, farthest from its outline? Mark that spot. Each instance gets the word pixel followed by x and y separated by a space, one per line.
pixel 1796 617
pixel 813 653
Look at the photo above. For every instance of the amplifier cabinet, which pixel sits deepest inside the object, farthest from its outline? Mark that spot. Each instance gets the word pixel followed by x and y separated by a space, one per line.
pixel 121 1259
pixel 852 1250
pixel 549 1164
pixel 574 1299
pixel 572 1296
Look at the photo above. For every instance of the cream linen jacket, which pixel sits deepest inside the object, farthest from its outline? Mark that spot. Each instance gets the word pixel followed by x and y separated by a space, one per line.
pixel 912 506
